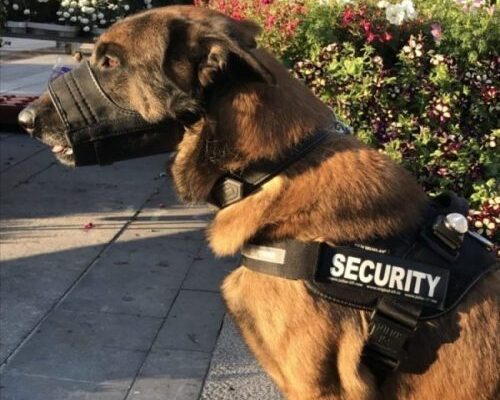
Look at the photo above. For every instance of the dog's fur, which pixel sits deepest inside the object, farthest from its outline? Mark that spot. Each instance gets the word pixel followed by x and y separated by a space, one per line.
pixel 176 59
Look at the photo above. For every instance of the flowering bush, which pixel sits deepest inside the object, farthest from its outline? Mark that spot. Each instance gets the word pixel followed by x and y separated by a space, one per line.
pixel 279 18
pixel 92 14
pixel 418 80
pixel 17 10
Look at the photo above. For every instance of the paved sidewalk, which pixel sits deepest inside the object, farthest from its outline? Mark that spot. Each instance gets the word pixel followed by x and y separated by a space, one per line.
pixel 107 288
pixel 126 309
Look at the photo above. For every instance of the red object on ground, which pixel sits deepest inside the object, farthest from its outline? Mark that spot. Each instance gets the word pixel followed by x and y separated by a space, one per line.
pixel 11 105
pixel 88 225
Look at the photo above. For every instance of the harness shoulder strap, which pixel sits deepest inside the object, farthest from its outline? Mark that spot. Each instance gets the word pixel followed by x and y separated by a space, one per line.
pixel 233 187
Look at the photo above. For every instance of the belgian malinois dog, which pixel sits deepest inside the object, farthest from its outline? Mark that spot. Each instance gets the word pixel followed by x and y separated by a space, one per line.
pixel 176 60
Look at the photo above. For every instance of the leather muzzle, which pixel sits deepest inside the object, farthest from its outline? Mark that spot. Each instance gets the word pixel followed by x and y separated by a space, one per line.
pixel 98 129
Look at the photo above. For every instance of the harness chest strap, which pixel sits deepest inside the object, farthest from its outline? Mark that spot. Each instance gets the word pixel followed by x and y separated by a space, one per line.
pixel 400 290
pixel 415 285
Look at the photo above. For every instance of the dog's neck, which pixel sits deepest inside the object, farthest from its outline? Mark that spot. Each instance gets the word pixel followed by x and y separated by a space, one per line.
pixel 253 121
pixel 363 194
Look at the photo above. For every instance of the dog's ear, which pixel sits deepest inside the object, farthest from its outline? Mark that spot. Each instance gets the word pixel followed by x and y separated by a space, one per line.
pixel 230 45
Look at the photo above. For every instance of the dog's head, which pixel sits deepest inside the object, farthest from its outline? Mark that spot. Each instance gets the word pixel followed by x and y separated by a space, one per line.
pixel 161 65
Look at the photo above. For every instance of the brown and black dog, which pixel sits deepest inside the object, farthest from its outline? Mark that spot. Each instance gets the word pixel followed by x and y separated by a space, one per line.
pixel 176 59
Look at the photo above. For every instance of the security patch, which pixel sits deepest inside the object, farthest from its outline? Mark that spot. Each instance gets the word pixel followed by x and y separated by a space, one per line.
pixel 395 276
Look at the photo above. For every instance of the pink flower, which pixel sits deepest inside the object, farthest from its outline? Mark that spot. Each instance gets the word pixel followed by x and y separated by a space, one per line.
pixel 370 36
pixel 347 16
pixel 366 25
pixel 436 32
pixel 271 19
pixel 266 2
pixel 386 36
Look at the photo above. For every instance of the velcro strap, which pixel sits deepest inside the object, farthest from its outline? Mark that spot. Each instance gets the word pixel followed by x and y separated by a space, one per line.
pixel 288 259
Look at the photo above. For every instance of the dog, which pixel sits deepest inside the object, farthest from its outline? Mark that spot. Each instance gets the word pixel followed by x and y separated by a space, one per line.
pixel 178 59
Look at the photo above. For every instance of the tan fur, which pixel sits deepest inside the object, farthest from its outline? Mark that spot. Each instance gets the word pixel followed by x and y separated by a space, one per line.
pixel 342 190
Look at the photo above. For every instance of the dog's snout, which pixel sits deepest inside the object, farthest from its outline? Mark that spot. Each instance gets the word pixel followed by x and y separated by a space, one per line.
pixel 27 118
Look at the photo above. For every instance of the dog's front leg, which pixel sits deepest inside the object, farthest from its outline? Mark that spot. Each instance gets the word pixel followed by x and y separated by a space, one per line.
pixel 236 224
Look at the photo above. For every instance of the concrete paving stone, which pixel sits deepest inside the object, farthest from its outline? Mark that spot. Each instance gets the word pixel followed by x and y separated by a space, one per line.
pixel 193 323
pixel 29 387
pixel 134 277
pixel 171 375
pixel 44 246
pixel 234 373
pixel 22 171
pixel 11 72
pixel 208 272
pixel 61 190
pixel 95 347
pixel 39 79
pixel 29 286
pixel 31 88
pixel 15 149
pixel 20 44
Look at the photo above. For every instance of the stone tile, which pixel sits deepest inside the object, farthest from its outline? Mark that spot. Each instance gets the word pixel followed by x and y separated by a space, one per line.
pixel 140 276
pixel 172 375
pixel 22 171
pixel 234 373
pixel 42 77
pixel 5 349
pixel 123 289
pixel 29 287
pixel 208 272
pixel 29 387
pixel 93 347
pixel 193 323
pixel 17 148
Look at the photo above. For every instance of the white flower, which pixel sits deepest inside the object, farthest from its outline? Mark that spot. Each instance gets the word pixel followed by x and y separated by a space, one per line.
pixel 61 19
pixel 15 6
pixel 71 10
pixel 73 19
pixel 382 4
pixel 126 7
pixel 66 14
pixel 59 13
pixel 88 10
pixel 102 21
pixel 409 9
pixel 344 2
pixel 6 2
pixel 26 12
pixel 395 14
pixel 86 28
pixel 100 15
pixel 73 4
pixel 65 3
pixel 84 20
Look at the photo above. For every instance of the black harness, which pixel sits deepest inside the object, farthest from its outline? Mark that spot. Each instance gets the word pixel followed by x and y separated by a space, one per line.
pixel 414 276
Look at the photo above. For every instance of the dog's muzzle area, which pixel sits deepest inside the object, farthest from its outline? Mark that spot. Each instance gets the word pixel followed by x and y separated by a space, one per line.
pixel 84 126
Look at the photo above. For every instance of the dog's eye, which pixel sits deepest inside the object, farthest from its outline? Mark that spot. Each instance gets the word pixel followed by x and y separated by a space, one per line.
pixel 109 62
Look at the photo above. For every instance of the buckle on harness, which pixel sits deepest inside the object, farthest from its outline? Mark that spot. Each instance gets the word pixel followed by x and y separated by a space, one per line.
pixel 226 191
pixel 392 323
